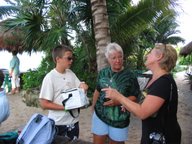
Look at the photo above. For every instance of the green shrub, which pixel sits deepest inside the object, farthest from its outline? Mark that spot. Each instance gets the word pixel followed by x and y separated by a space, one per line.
pixel 34 78
pixel 185 60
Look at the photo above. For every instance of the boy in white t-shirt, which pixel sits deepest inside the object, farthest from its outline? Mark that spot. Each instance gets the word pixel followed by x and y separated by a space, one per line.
pixel 56 81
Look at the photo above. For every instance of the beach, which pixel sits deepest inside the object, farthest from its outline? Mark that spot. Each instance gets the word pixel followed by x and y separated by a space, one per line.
pixel 20 114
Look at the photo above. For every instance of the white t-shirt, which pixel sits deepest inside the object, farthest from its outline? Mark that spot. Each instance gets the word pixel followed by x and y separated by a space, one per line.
pixel 53 84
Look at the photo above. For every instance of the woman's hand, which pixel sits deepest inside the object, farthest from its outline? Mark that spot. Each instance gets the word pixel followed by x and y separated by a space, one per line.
pixel 111 103
pixel 112 94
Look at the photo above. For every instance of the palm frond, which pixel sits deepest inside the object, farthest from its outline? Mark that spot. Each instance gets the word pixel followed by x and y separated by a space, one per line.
pixel 7 11
pixel 136 19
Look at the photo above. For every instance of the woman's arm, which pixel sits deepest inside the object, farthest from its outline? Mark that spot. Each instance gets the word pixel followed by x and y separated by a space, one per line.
pixel 150 105
pixel 95 97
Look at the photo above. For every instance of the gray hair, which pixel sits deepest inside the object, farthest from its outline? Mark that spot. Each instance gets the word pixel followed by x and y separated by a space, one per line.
pixel 111 47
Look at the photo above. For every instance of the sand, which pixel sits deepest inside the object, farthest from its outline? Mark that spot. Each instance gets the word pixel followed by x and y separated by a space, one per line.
pixel 20 114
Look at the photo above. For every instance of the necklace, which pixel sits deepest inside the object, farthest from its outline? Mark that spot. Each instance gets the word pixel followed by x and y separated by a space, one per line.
pixel 113 74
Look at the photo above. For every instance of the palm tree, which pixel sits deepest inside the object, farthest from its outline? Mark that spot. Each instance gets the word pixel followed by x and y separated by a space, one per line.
pixel 81 13
pixel 44 24
pixel 48 23
pixel 42 31
pixel 7 11
pixel 164 30
pixel 101 30
pixel 161 30
pixel 125 27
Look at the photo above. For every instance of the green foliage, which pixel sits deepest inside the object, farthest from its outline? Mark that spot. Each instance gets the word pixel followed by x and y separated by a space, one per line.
pixel 46 24
pixel 185 60
pixel 179 68
pixel 31 79
pixel 34 78
pixel 84 68
pixel 89 78
pixel 7 10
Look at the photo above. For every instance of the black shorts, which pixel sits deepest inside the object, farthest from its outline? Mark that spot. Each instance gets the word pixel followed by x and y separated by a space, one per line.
pixel 71 131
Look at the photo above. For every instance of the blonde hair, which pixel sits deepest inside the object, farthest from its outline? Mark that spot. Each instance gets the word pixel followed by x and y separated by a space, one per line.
pixel 169 59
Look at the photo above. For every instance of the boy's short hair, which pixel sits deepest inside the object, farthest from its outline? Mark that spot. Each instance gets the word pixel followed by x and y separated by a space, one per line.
pixel 1 78
pixel 59 51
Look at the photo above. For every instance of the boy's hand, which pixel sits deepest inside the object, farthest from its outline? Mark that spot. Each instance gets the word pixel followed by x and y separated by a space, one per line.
pixel 84 86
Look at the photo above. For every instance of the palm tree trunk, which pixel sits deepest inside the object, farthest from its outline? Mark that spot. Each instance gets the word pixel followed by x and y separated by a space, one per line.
pixel 101 30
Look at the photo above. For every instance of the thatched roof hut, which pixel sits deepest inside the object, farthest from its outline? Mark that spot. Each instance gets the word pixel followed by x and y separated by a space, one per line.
pixel 186 50
pixel 10 40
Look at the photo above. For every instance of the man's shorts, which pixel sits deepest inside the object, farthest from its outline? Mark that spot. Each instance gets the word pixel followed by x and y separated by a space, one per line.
pixel 70 131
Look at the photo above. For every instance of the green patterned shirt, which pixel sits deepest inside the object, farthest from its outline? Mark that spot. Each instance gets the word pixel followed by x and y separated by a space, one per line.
pixel 126 83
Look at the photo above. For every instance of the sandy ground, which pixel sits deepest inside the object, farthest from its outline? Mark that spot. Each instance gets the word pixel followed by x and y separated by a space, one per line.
pixel 20 114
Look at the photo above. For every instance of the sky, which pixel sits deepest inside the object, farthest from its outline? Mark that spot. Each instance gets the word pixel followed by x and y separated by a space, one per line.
pixel 184 19
pixel 26 61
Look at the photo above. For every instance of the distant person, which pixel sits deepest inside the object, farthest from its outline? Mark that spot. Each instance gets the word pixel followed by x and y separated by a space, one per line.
pixel 108 121
pixel 15 72
pixel 4 104
pixel 158 108
pixel 60 79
